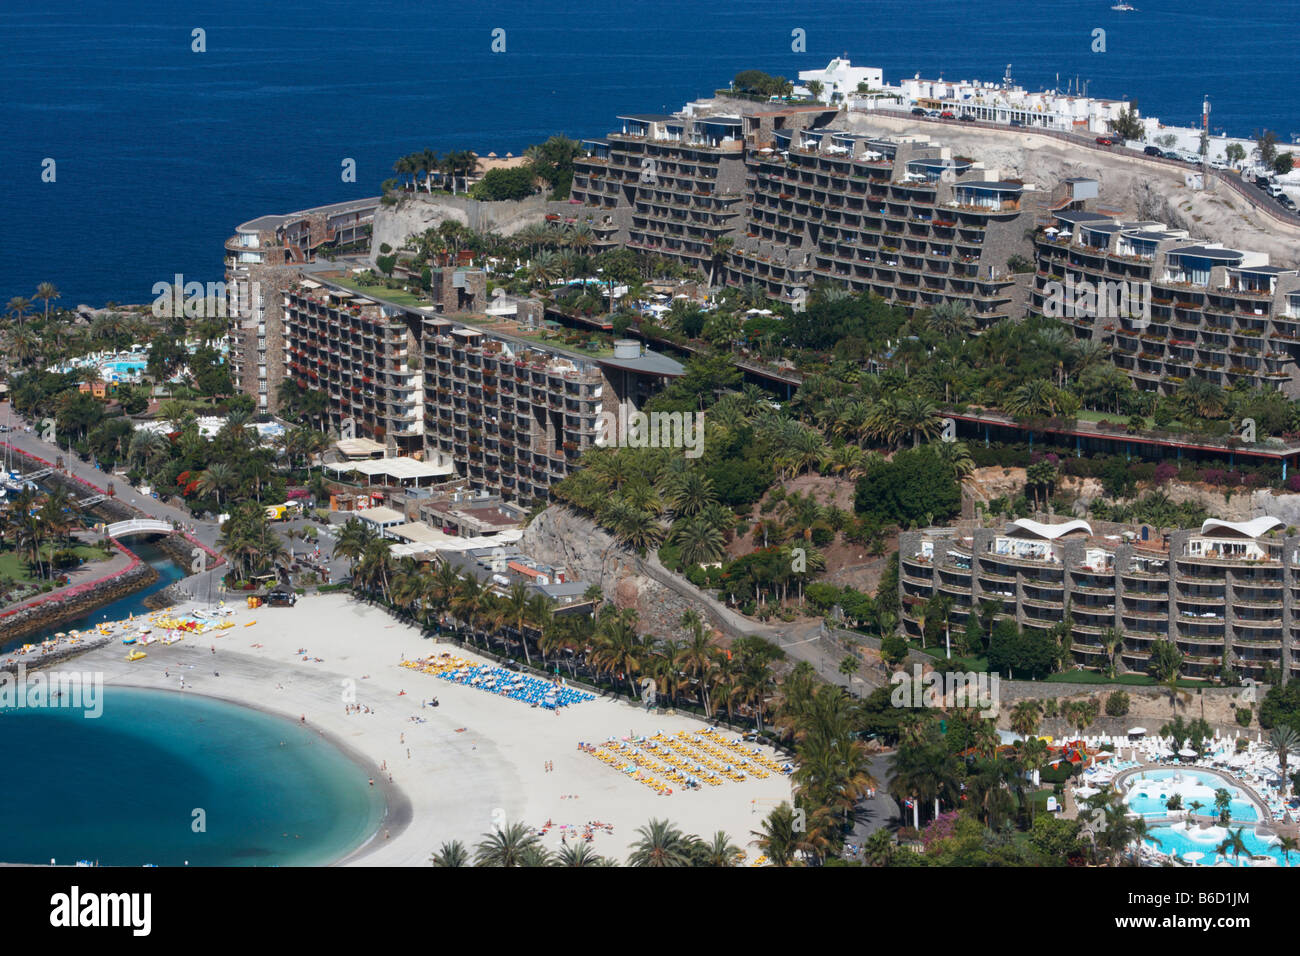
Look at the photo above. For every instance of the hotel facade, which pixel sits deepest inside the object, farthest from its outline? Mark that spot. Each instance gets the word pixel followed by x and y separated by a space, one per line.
pixel 798 202
pixel 513 415
pixel 263 259
pixel 1228 592
pixel 1215 313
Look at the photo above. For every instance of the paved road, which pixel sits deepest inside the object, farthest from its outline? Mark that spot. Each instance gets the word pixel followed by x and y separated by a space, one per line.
pixel 205 531
pixel 30 442
pixel 807 641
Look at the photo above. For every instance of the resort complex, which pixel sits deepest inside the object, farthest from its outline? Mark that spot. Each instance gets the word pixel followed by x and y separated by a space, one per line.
pixel 1222 594
pixel 830 472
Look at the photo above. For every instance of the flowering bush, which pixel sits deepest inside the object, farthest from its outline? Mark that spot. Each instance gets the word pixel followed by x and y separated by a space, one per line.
pixel 941 828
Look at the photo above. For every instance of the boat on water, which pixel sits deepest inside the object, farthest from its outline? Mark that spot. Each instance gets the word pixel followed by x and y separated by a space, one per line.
pixel 1124 7
pixel 135 655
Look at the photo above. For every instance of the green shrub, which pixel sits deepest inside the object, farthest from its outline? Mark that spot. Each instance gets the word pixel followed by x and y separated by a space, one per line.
pixel 1117 704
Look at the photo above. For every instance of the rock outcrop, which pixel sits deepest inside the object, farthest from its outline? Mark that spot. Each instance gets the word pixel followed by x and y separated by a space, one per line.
pixel 564 539
pixel 416 213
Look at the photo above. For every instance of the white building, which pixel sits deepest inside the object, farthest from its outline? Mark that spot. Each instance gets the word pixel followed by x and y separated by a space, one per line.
pixel 840 79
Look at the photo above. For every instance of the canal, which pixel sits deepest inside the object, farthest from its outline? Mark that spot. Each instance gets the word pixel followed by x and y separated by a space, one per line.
pixel 168 573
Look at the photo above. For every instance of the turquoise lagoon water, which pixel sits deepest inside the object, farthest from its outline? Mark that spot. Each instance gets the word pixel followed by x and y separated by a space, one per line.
pixel 1141 801
pixel 122 789
pixel 168 573
pixel 1186 841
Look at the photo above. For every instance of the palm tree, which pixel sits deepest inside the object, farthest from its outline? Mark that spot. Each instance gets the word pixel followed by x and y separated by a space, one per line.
pixel 720 851
pixel 699 656
pixel 579 853
pixel 698 542
pixel 353 539
pixel 1233 843
pixel 18 308
pixel 515 609
pixel 956 455
pixel 778 836
pixel 47 291
pixel 1025 716
pixel 660 843
pixel 216 478
pixel 1112 639
pixel 451 854
pixel 1288 845
pixel 1284 741
pixel 513 845
pixel 618 648
pixel 1035 397
pixel 951 319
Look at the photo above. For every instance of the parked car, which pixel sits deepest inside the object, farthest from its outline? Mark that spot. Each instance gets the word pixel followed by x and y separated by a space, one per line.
pixel 1262 182
pixel 1017 123
pixel 1286 202
pixel 1154 151
pixel 968 117
pixel 1215 164
pixel 947 114
pixel 1105 141
pixel 933 114
pixel 917 111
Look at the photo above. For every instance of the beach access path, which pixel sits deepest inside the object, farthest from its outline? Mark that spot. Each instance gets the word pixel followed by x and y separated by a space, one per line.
pixel 475 761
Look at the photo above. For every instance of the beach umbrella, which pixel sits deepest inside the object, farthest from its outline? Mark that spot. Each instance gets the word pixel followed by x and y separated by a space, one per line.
pixel 1194 856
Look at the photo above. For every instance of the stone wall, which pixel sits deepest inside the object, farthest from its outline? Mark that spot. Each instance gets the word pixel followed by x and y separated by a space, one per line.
pixel 56 608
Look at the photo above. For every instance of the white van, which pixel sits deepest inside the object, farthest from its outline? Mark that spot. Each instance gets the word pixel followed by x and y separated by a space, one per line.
pixel 1275 190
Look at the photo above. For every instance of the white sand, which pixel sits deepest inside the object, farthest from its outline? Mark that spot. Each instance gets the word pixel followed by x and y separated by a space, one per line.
pixel 458 784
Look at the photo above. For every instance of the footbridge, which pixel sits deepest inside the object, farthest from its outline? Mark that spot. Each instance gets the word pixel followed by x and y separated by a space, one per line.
pixel 120 529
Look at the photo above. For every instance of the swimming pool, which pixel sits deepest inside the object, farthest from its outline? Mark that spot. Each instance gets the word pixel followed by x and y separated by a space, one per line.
pixel 1182 840
pixel 1149 791
pixel 124 367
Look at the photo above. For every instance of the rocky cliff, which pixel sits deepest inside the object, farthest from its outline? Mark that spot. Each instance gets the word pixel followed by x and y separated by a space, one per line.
pixel 414 214
pixel 564 539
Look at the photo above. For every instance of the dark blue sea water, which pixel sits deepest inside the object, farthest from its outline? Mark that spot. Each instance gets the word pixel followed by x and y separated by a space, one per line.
pixel 161 151
pixel 122 788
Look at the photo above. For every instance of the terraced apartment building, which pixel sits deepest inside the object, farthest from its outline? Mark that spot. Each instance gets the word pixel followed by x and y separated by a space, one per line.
pixel 512 414
pixel 358 353
pixel 263 258
pixel 1216 313
pixel 667 185
pixel 515 416
pixel 800 202
pixel 1228 591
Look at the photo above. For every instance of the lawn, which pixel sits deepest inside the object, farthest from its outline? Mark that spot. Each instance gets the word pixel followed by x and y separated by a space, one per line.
pixel 14 565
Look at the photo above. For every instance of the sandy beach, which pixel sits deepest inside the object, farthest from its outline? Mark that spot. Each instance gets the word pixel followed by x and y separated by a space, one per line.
pixel 474 761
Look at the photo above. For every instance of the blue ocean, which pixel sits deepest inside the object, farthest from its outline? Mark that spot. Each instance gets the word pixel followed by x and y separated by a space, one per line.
pixel 160 150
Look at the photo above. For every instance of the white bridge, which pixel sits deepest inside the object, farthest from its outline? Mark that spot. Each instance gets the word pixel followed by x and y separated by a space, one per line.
pixel 119 529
